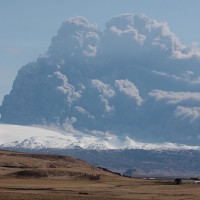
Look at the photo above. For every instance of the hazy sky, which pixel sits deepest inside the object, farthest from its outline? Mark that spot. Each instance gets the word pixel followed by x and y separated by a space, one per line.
pixel 27 26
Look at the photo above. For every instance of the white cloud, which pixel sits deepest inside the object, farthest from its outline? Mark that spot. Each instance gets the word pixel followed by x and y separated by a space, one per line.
pixel 164 74
pixel 107 107
pixel 188 76
pixel 65 87
pixel 126 34
pixel 90 51
pixel 68 125
pixel 175 97
pixel 142 34
pixel 129 89
pixel 82 22
pixel 76 38
pixel 106 92
pixel 192 114
pixel 187 52
pixel 129 31
pixel 84 112
pixel 80 109
pixel 105 89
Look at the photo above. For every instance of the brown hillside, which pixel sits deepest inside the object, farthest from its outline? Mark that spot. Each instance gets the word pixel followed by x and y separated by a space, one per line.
pixel 40 177
pixel 13 164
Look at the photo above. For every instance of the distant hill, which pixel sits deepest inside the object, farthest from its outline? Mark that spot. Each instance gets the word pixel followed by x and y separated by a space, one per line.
pixel 26 165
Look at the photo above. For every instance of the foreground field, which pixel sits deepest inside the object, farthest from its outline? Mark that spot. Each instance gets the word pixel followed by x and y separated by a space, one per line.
pixel 105 188
pixel 39 177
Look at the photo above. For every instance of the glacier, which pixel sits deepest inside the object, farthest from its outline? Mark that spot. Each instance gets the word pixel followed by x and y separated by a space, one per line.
pixel 36 138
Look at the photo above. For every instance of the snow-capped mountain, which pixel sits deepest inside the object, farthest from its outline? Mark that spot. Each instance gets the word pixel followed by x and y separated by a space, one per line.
pixel 134 78
pixel 27 137
pixel 106 150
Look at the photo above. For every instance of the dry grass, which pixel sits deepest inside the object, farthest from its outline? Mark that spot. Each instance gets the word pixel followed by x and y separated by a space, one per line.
pixel 36 177
pixel 105 188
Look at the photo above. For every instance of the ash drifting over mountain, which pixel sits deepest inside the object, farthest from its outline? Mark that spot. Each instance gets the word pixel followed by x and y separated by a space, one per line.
pixel 134 78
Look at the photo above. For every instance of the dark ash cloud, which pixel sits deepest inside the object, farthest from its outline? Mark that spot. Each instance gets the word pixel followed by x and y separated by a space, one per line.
pixel 134 78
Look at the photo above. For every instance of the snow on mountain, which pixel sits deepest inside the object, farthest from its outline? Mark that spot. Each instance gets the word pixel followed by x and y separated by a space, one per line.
pixel 28 137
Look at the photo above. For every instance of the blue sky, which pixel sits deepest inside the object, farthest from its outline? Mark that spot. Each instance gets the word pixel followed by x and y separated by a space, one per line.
pixel 28 26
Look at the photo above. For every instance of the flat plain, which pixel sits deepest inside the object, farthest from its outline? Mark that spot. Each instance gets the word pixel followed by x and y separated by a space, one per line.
pixel 38 177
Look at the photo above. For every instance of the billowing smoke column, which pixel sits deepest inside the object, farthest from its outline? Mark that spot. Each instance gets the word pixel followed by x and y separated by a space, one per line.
pixel 134 78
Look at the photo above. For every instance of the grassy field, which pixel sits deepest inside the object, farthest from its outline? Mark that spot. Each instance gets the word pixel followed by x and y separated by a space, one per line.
pixel 104 188
pixel 39 177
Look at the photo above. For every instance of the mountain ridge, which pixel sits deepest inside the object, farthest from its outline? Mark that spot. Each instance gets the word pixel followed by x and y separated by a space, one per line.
pixel 152 161
pixel 27 137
